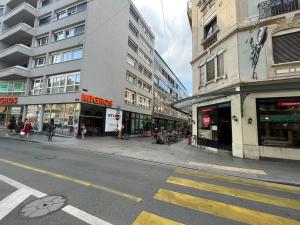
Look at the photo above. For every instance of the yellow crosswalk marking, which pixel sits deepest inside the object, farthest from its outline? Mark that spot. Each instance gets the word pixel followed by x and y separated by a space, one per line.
pixel 253 196
pixel 146 218
pixel 242 181
pixel 223 210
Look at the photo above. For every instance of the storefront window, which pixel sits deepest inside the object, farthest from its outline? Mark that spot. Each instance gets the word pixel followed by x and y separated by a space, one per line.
pixel 34 115
pixel 66 118
pixel 214 125
pixel 6 112
pixel 279 122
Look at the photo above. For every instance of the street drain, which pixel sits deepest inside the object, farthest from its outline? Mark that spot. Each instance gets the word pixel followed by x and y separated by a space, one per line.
pixel 43 206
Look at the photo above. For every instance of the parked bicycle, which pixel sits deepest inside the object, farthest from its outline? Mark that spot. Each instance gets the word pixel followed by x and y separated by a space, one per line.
pixel 199 142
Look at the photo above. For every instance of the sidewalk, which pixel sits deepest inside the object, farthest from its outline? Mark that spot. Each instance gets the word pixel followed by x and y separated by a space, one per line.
pixel 180 155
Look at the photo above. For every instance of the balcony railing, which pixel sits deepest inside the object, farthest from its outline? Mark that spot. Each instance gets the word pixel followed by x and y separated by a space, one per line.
pixel 272 8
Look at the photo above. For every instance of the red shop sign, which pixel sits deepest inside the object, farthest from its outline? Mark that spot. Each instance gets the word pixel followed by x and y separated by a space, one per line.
pixel 282 104
pixel 206 120
pixel 8 100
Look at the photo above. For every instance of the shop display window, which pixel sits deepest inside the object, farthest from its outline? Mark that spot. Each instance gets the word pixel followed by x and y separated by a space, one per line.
pixel 279 122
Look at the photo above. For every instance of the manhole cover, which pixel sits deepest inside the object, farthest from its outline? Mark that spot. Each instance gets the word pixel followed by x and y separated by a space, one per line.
pixel 43 206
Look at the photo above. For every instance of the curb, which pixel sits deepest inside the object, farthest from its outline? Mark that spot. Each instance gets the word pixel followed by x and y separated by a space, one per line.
pixel 23 140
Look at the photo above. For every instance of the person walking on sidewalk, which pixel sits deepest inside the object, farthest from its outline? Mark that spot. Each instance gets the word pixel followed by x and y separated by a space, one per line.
pixel 27 128
pixel 51 130
pixel 82 130
pixel 12 125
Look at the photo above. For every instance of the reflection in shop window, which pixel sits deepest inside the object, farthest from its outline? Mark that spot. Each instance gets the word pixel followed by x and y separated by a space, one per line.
pixel 66 117
pixel 279 122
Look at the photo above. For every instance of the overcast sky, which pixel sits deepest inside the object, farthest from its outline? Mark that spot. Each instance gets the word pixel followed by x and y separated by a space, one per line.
pixel 174 39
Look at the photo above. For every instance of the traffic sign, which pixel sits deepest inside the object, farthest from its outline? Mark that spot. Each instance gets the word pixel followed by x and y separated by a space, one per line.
pixel 117 116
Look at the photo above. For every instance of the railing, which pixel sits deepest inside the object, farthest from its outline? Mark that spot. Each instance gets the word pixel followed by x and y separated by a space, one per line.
pixel 270 8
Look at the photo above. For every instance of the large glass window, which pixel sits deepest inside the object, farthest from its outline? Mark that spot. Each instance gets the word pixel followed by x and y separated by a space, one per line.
pixel 66 56
pixel 12 88
pixel 66 117
pixel 42 41
pixel 279 122
pixel 68 33
pixel 37 86
pixel 71 10
pixel 45 20
pixel 63 83
pixel 129 97
pixel 1 10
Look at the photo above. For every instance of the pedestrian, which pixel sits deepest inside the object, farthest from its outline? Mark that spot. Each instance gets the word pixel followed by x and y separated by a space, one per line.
pixel 27 128
pixel 51 130
pixel 82 130
pixel 12 125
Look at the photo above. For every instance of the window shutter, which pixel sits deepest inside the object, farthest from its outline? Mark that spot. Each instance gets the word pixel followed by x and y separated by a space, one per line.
pixel 286 48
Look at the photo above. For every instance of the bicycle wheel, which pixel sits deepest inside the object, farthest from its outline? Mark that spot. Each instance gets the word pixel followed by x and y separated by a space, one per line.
pixel 202 143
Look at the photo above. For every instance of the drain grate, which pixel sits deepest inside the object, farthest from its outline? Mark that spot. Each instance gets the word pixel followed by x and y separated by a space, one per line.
pixel 43 206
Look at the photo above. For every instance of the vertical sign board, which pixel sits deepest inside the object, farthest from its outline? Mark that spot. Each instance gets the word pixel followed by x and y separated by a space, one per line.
pixel 110 120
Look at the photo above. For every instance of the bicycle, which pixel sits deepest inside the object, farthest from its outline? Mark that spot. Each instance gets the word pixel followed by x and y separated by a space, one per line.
pixel 199 142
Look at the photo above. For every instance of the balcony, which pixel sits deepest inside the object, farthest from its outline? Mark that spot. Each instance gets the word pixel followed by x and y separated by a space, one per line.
pixel 19 34
pixel 15 3
pixel 272 8
pixel 16 55
pixel 13 73
pixel 24 13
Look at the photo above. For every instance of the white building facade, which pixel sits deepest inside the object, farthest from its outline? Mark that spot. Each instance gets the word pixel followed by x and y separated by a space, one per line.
pixel 250 109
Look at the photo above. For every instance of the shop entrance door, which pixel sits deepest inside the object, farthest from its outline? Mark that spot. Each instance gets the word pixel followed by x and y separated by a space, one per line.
pixel 224 128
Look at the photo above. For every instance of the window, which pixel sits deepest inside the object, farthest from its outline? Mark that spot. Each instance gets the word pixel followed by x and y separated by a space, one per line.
pixel 145 44
pixel 134 14
pixel 66 56
pixel 131 61
pixel 68 33
pixel 279 122
pixel 63 83
pixel 1 10
pixel 210 28
pixel 210 70
pixel 144 71
pixel 39 61
pixel 45 2
pixel 12 88
pixel 45 20
pixel 42 41
pixel 36 86
pixel 146 30
pixel 131 78
pixel 220 65
pixel 145 58
pixel 202 74
pixel 133 46
pixel 143 102
pixel 286 48
pixel 71 10
pixel 142 84
pixel 133 29
pixel 129 97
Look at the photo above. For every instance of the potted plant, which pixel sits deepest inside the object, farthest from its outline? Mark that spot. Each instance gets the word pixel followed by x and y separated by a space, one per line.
pixel 147 127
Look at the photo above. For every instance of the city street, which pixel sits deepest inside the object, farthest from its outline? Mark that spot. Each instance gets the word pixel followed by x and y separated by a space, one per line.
pixel 103 189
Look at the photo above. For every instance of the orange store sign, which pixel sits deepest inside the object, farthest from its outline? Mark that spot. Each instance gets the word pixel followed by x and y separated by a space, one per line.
pixel 96 100
pixel 8 100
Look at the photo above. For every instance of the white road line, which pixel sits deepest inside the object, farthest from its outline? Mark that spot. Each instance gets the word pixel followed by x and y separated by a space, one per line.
pixel 18 185
pixel 12 201
pixel 234 169
pixel 92 220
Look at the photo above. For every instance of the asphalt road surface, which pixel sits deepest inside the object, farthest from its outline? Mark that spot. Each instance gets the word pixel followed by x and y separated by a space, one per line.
pixel 44 185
